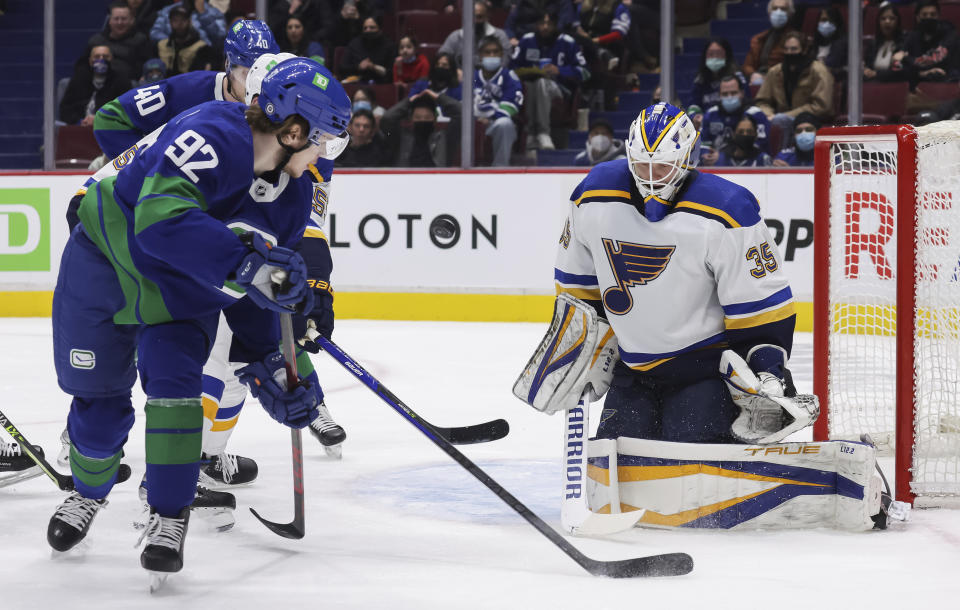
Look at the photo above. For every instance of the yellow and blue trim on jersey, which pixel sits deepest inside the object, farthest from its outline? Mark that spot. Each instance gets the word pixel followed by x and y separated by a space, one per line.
pixel 585 287
pixel 785 483
pixel 644 361
pixel 774 308
pixel 603 195
pixel 221 418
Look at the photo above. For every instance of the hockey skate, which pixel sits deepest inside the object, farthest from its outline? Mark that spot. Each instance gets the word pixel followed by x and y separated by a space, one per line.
pixel 69 524
pixel 214 507
pixel 163 553
pixel 226 470
pixel 328 432
pixel 15 466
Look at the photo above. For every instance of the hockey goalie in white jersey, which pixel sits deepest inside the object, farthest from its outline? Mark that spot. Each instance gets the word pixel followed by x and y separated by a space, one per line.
pixel 673 303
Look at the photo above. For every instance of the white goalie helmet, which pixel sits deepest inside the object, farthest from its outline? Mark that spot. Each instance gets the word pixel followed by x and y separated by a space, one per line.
pixel 662 147
pixel 259 70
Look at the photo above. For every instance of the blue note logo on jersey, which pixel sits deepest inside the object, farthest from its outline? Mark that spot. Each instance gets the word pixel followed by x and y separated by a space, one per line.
pixel 565 236
pixel 632 265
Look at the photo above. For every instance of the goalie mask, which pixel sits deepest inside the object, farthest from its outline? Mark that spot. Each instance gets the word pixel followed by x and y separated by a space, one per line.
pixel 662 147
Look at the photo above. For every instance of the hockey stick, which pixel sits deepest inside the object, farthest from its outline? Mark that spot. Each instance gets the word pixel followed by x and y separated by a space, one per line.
pixel 485 432
pixel 296 528
pixel 575 515
pixel 671 564
pixel 64 482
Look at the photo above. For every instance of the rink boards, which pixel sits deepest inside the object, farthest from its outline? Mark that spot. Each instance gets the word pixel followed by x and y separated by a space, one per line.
pixel 495 265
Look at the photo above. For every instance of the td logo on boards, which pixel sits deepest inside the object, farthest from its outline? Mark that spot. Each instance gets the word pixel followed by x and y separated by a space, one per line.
pixel 25 229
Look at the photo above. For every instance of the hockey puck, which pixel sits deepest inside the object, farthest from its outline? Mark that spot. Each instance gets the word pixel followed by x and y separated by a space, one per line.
pixel 443 227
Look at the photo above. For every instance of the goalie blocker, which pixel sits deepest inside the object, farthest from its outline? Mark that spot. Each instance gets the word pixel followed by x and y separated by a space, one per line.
pixel 779 486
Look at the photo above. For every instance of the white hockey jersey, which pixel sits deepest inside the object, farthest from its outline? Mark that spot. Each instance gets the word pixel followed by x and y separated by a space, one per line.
pixel 684 279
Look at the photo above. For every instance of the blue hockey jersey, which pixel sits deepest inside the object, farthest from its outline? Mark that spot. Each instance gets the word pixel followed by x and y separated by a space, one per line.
pixel 500 96
pixel 718 126
pixel 564 53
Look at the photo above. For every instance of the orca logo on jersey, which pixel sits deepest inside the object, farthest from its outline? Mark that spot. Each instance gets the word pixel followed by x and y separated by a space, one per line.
pixel 632 265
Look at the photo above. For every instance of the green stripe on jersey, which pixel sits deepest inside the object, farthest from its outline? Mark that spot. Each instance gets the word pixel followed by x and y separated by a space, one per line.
pixel 174 428
pixel 112 117
pixel 162 198
pixel 92 471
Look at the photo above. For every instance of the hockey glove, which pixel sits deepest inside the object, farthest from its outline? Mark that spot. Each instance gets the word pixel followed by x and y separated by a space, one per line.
pixel 268 382
pixel 261 271
pixel 319 319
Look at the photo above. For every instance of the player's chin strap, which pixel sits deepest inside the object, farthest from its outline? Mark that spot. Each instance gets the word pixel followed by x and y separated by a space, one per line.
pixel 288 152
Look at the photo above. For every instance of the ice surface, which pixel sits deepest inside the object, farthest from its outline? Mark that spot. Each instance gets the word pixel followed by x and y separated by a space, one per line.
pixel 396 524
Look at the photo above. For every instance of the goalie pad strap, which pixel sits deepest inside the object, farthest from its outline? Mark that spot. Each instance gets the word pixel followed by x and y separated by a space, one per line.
pixel 790 485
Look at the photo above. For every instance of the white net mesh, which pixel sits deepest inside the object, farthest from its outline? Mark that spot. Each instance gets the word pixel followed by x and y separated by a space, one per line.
pixel 863 285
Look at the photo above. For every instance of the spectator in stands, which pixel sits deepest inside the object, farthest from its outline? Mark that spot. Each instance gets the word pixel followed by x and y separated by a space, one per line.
pixel 720 121
pixel 883 54
pixel 696 115
pixel 296 39
pixel 526 14
pixel 601 145
pixel 932 46
pixel 316 16
pixel 804 133
pixel 830 42
pixel 182 47
pixel 129 47
pixel 409 66
pixel 742 150
pixel 643 39
pixel 93 84
pixel 153 70
pixel 766 48
pixel 144 13
pixel 798 84
pixel 365 98
pixel 206 20
pixel 422 145
pixel 716 64
pixel 601 29
pixel 497 98
pixel 368 147
pixel 442 79
pixel 348 26
pixel 482 28
pixel 554 66
pixel 370 56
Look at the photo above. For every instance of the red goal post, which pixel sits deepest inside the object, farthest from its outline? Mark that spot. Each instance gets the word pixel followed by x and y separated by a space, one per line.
pixel 887 241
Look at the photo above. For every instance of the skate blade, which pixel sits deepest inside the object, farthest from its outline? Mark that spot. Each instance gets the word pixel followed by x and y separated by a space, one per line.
pixel 22 475
pixel 334 451
pixel 157 580
pixel 77 552
pixel 218 485
pixel 220 519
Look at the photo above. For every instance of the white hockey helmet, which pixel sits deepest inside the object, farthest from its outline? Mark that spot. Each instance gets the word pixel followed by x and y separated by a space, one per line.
pixel 259 69
pixel 662 147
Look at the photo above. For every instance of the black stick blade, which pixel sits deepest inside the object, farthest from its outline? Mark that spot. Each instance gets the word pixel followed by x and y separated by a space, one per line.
pixel 670 564
pixel 287 530
pixel 477 433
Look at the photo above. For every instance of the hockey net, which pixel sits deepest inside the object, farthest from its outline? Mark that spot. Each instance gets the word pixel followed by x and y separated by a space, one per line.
pixel 887 297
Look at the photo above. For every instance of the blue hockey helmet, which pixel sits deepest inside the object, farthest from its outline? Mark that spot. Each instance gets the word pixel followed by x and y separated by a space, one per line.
pixel 246 41
pixel 662 147
pixel 304 87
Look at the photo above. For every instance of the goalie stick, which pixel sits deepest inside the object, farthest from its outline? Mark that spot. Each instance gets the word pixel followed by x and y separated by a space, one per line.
pixel 670 564
pixel 296 529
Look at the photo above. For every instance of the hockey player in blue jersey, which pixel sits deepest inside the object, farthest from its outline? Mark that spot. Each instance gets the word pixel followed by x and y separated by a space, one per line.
pixel 119 124
pixel 683 267
pixel 155 259
pixel 555 65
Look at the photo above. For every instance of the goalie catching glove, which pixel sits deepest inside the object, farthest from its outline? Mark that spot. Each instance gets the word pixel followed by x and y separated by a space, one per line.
pixel 267 381
pixel 576 356
pixel 274 277
pixel 767 414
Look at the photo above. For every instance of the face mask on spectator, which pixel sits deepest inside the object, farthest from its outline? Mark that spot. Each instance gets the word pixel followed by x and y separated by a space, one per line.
pixel 599 144
pixel 440 77
pixel 928 25
pixel 744 142
pixel 362 105
pixel 490 64
pixel 805 140
pixel 715 64
pixel 778 18
pixel 792 61
pixel 730 103
pixel 370 36
pixel 422 130
pixel 826 28
pixel 101 66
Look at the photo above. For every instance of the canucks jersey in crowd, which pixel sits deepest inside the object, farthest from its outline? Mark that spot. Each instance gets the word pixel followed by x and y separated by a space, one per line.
pixel 679 281
pixel 718 126
pixel 500 96
pixel 563 52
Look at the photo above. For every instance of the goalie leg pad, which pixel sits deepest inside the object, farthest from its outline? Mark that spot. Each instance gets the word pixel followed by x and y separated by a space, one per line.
pixel 785 486
pixel 578 352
